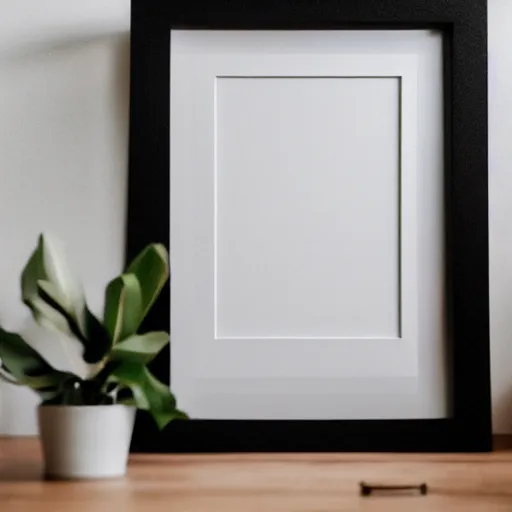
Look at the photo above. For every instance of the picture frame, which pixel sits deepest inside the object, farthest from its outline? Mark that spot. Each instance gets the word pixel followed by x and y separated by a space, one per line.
pixel 464 29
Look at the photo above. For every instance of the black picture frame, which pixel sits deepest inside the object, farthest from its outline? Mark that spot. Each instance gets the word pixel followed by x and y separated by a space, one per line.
pixel 464 27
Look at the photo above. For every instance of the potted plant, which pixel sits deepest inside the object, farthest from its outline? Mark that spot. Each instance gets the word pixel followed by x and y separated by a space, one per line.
pixel 86 421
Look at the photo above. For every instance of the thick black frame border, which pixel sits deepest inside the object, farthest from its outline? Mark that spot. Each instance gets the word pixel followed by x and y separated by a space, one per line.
pixel 464 25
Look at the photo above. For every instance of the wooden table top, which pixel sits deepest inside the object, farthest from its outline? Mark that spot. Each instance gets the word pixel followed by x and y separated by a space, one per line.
pixel 261 482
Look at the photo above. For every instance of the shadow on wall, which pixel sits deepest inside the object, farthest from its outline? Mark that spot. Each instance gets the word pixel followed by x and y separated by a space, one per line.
pixel 63 148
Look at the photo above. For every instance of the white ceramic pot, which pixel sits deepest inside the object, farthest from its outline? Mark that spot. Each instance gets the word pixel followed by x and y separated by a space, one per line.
pixel 85 442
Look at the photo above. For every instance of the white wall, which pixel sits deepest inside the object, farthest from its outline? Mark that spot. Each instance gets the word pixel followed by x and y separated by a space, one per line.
pixel 63 155
pixel 500 197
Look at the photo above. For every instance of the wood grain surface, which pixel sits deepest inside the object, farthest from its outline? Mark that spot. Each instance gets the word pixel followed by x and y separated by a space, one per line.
pixel 262 482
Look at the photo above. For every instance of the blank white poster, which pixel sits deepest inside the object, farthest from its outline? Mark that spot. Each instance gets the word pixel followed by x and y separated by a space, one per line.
pixel 307 224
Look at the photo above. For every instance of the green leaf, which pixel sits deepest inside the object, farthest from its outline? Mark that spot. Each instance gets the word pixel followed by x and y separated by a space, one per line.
pixel 123 307
pixel 19 358
pixel 49 312
pixel 69 291
pixel 151 267
pixel 52 293
pixel 32 273
pixel 49 317
pixel 48 264
pixel 7 377
pixel 94 337
pixel 98 343
pixel 142 349
pixel 57 301
pixel 27 367
pixel 148 392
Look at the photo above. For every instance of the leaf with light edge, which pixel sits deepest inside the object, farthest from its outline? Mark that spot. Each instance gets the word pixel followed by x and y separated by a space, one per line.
pixel 148 392
pixel 48 264
pixel 89 331
pixel 140 348
pixel 123 307
pixel 151 267
pixel 27 367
